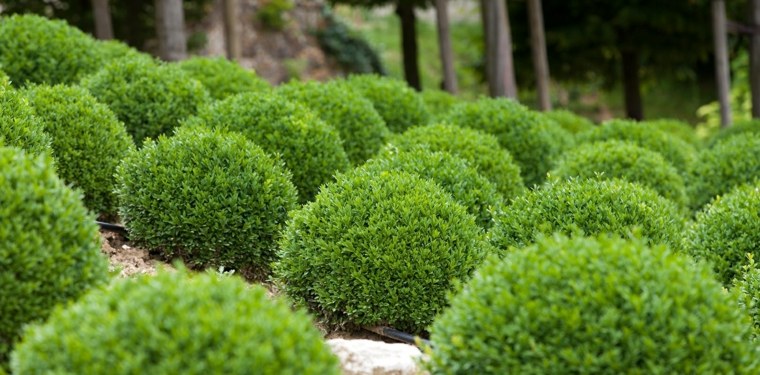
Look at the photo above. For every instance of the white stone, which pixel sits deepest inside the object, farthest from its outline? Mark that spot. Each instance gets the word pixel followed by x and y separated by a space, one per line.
pixel 375 357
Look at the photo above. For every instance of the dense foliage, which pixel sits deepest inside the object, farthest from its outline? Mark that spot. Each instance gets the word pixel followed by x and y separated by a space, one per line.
pixel 525 134
pixel 378 248
pixel 438 102
pixel 204 324
pixel 570 121
pixel 19 127
pixel 677 128
pixel 590 206
pixel 213 199
pixel 361 128
pixel 623 160
pixel 348 48
pixel 311 149
pixel 88 141
pixel 480 149
pixel 592 306
pixel 221 77
pixel 750 127
pixel 49 244
pixel 150 98
pixel 747 288
pixel 398 104
pixel 729 163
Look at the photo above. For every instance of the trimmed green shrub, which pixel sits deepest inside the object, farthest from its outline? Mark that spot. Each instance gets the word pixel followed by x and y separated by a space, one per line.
pixel 5 82
pixel 438 102
pixel 590 206
pixel 223 78
pixel 751 127
pixel 173 323
pixel 726 230
pixel 623 160
pixel 454 174
pixel 729 163
pixel 360 126
pixel 49 244
pixel 676 151
pixel 19 127
pixel 593 306
pixel 398 104
pixel 38 50
pixel 525 134
pixel 378 249
pixel 110 50
pixel 150 98
pixel 677 128
pixel 480 149
pixel 570 121
pixel 88 141
pixel 212 199
pixel 747 289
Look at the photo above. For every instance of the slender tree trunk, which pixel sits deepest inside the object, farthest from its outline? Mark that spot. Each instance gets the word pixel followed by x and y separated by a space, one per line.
pixel 540 61
pixel 632 84
pixel 405 12
pixel 231 33
pixel 722 73
pixel 754 71
pixel 102 14
pixel 500 70
pixel 444 46
pixel 170 27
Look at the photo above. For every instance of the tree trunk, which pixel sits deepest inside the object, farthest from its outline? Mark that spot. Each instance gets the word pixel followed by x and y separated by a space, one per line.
pixel 231 33
pixel 632 84
pixel 754 54
pixel 540 61
pixel 500 71
pixel 722 73
pixel 405 12
pixel 444 46
pixel 101 12
pixel 170 28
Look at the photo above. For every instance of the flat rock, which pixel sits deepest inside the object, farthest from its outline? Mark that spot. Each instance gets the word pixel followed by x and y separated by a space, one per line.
pixel 375 357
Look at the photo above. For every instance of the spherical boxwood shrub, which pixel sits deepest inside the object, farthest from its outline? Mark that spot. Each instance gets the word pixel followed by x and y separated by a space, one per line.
pixel 398 104
pixel 590 206
pixel 454 174
pixel 729 163
pixel 570 121
pixel 49 244
pixel 88 141
pixel 110 50
pixel 360 126
pixel 150 98
pixel 480 149
pixel 677 128
pixel 310 148
pixel 676 151
pixel 19 127
pixel 751 128
pixel 39 50
pixel 747 288
pixel 209 198
pixel 176 324
pixel 223 78
pixel 727 230
pixel 438 102
pixel 378 249
pixel 524 133
pixel 623 160
pixel 592 306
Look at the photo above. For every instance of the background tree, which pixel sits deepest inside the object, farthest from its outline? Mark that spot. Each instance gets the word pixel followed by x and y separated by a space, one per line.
pixel 102 16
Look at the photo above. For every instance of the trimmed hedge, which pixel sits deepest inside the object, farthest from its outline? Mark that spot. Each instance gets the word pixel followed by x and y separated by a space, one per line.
pixel 113 49
pixel 677 128
pixel 438 102
pixel 676 151
pixel 398 104
pixel 623 160
pixel 19 127
pixel 222 77
pixel 212 199
pixel 49 244
pixel 454 174
pixel 525 134
pixel 88 141
pixel 5 82
pixel 176 324
pixel 149 97
pixel 593 306
pixel 360 126
pixel 311 149
pixel 480 149
pixel 570 121
pixel 746 128
pixel 726 230
pixel 747 289
pixel 378 249
pixel 590 206
pixel 38 50
pixel 719 169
